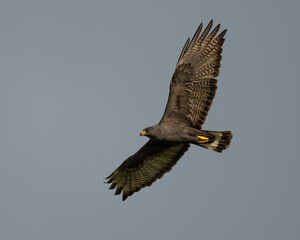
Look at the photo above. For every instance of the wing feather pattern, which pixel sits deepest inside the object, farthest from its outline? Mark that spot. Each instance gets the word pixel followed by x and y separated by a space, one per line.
pixel 193 85
pixel 151 162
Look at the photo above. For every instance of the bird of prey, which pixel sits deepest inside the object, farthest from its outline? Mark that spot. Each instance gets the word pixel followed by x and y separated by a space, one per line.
pixel 192 90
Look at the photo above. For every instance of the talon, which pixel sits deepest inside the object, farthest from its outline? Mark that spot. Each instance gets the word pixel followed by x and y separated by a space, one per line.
pixel 202 139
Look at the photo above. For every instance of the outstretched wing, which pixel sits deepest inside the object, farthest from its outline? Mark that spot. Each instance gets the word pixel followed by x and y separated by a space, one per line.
pixel 151 162
pixel 193 85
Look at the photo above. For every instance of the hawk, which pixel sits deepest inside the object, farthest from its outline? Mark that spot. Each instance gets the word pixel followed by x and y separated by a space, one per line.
pixel 192 90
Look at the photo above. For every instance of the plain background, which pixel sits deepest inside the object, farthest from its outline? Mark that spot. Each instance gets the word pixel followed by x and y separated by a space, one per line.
pixel 80 79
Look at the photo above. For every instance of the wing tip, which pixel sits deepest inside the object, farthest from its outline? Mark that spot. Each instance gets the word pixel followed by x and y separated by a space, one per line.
pixel 222 34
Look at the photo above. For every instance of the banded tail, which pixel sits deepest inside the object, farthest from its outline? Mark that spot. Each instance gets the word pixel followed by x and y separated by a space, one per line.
pixel 218 140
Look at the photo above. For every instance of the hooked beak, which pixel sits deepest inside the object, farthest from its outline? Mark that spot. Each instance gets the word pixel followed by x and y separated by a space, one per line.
pixel 143 133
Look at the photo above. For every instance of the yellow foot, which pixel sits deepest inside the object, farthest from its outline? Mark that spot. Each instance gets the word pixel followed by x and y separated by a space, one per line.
pixel 202 139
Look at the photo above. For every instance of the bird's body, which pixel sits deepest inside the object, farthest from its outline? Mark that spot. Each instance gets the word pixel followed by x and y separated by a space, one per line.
pixel 192 90
pixel 173 133
pixel 176 133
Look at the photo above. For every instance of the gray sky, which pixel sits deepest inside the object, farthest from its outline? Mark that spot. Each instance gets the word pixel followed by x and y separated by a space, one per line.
pixel 80 79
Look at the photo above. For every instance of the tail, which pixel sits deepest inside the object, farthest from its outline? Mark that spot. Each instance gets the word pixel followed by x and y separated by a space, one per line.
pixel 218 141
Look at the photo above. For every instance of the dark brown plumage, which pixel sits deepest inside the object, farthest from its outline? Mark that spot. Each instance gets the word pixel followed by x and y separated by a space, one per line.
pixel 192 90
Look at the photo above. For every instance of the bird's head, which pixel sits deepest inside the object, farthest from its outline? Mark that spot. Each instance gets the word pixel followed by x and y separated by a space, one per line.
pixel 146 132
pixel 150 132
